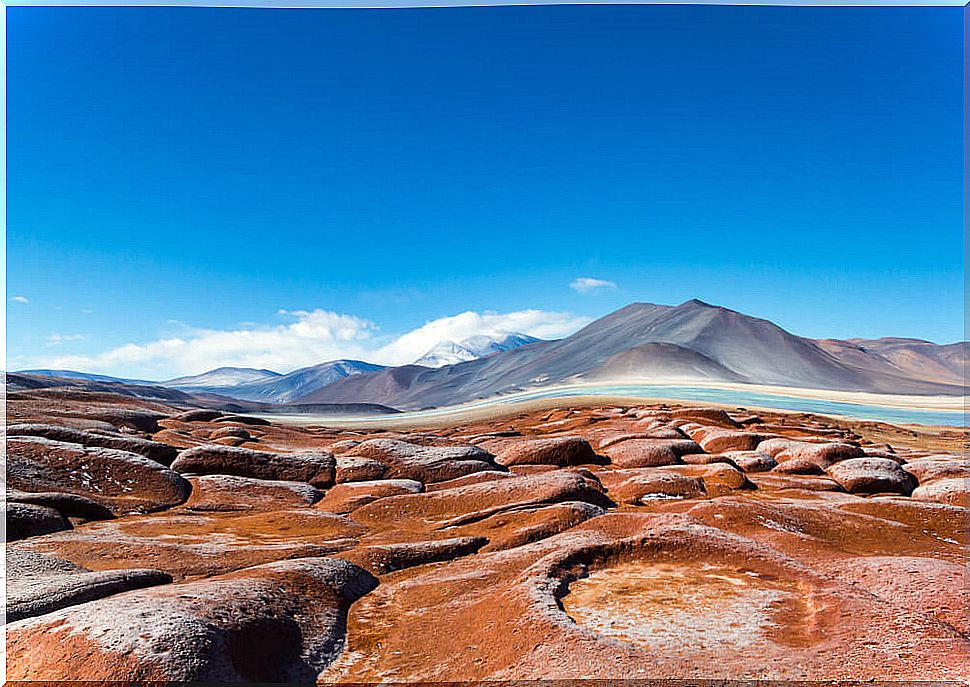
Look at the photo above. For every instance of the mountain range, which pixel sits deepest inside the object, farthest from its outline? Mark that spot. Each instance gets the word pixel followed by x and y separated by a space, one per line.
pixel 642 341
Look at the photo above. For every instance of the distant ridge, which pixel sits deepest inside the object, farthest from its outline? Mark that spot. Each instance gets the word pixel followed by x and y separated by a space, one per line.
pixel 693 340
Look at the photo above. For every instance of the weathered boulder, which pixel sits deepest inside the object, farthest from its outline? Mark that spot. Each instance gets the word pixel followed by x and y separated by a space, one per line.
pixel 475 502
pixel 235 432
pixel 381 559
pixel 120 480
pixel 655 485
pixel 660 431
pixel 477 478
pixel 678 444
pixel 343 445
pixel 39 584
pixel 244 420
pixel 29 520
pixel 221 493
pixel 201 415
pixel 359 469
pixel 349 496
pixel 640 453
pixel 719 478
pixel 139 420
pixel 717 440
pixel 559 451
pixel 508 530
pixel 425 463
pixel 953 491
pixel 157 451
pixel 823 455
pixel 709 458
pixel 704 416
pixel 931 468
pixel 69 505
pixel 798 466
pixel 872 476
pixel 775 445
pixel 279 622
pixel 751 461
pixel 315 468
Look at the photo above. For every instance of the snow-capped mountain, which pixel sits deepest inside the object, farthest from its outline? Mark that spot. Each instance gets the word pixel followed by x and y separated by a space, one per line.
pixel 222 378
pixel 285 388
pixel 452 352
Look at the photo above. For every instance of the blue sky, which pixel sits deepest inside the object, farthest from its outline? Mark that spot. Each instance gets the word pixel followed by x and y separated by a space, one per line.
pixel 276 187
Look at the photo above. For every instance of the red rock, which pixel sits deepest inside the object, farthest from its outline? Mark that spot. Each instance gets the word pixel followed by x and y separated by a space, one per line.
pixel 119 480
pixel 638 453
pixel 508 530
pixel 232 493
pixel 359 469
pixel 349 496
pixel 279 622
pixel 799 466
pixel 559 451
pixel 159 452
pixel 932 468
pixel 460 505
pixel 704 416
pixel 201 415
pixel 751 461
pixel 652 484
pixel 872 476
pixel 425 463
pixel 709 458
pixel 954 491
pixel 822 455
pixel 39 584
pixel 69 505
pixel 314 468
pixel 474 478
pixel 715 440
pixel 244 420
pixel 30 520
pixel 237 432
pixel 381 559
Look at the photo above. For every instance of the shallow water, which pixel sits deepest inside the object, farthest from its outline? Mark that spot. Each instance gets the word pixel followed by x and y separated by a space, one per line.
pixel 663 392
pixel 741 398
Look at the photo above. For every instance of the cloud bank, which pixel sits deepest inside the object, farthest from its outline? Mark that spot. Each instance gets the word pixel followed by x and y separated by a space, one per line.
pixel 588 284
pixel 310 337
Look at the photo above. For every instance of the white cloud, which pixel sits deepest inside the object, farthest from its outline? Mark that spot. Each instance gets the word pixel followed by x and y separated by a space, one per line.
pixel 587 284
pixel 311 337
pixel 20 299
pixel 57 339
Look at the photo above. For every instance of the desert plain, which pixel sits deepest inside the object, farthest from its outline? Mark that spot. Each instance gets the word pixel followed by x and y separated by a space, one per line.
pixel 148 541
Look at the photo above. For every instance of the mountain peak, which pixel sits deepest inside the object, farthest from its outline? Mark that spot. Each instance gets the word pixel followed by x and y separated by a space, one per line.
pixel 698 303
pixel 472 348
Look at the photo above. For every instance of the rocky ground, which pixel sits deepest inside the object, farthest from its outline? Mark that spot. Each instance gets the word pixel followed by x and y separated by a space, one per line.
pixel 152 543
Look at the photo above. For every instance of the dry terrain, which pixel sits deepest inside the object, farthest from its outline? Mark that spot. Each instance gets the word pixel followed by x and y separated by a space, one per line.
pixel 152 542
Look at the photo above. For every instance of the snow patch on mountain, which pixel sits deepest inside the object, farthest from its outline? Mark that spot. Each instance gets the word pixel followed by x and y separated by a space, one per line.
pixel 472 348
pixel 223 377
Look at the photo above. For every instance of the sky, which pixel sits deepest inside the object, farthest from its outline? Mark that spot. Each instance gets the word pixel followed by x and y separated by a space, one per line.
pixel 193 187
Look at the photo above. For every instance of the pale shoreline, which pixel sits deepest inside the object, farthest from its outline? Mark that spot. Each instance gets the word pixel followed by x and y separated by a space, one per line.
pixel 572 395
